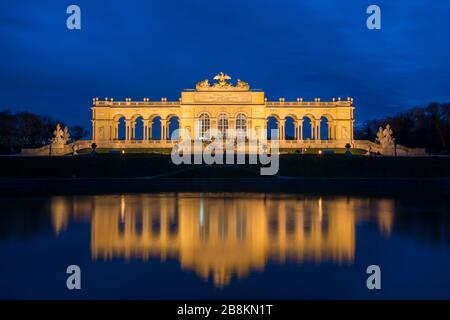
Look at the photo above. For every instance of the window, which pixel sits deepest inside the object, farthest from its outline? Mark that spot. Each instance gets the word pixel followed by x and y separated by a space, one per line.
pixel 241 125
pixel 204 126
pixel 223 124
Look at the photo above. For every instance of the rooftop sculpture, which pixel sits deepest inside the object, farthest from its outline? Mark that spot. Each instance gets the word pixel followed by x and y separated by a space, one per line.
pixel 222 84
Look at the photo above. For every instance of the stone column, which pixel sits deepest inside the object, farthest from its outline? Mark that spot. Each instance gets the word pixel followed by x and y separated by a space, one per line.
pixel 318 130
pixel 93 130
pixel 128 130
pixel 279 130
pixel 163 129
pixel 150 130
pixel 145 131
pixel 116 130
pixel 300 129
pixel 133 130
pixel 351 130
pixel 282 126
pixel 295 124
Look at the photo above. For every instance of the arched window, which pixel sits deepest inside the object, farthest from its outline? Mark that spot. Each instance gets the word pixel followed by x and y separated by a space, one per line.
pixel 204 126
pixel 173 124
pixel 308 128
pixel 121 128
pixel 222 124
pixel 138 128
pixel 241 125
pixel 155 130
pixel 289 128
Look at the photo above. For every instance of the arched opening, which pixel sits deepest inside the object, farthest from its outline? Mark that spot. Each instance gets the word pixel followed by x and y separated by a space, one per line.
pixel 155 128
pixel 241 125
pixel 121 226
pixel 121 129
pixel 222 124
pixel 139 223
pixel 204 124
pixel 272 124
pixel 174 124
pixel 324 129
pixel 289 128
pixel 138 128
pixel 307 128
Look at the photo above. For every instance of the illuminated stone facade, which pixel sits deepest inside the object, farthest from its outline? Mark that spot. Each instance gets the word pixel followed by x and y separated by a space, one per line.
pixel 231 109
pixel 222 106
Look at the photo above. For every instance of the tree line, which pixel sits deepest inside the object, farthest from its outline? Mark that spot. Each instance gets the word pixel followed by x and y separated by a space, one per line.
pixel 28 130
pixel 420 127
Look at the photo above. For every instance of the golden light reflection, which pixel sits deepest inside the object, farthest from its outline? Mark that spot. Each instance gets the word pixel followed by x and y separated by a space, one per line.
pixel 222 235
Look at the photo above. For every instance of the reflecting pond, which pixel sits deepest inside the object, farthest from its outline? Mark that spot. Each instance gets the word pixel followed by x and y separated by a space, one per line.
pixel 224 245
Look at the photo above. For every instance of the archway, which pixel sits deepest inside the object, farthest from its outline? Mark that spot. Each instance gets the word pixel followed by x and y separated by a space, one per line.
pixel 138 123
pixel 173 124
pixel 327 127
pixel 155 126
pixel 121 128
pixel 272 124
pixel 307 128
pixel 289 128
pixel 324 129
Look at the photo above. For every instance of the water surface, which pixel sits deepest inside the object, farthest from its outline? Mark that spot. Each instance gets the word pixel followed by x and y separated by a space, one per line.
pixel 224 245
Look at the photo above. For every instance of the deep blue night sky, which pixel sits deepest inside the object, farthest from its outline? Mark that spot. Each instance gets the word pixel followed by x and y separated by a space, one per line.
pixel 293 48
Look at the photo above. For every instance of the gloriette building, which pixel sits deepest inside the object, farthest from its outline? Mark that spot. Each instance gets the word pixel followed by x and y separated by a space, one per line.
pixel 222 105
pixel 229 110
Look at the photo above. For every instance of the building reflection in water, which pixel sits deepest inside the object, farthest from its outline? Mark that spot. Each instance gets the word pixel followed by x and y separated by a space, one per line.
pixel 222 235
